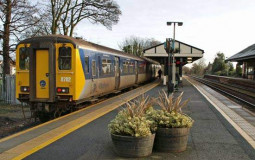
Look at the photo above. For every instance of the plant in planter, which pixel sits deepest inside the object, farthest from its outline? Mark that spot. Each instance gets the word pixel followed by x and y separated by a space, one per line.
pixel 131 132
pixel 173 125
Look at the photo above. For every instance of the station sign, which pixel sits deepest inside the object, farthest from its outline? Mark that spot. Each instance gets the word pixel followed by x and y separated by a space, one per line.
pixel 167 45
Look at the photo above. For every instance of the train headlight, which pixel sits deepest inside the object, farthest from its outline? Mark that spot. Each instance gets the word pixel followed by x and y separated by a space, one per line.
pixel 62 90
pixel 24 89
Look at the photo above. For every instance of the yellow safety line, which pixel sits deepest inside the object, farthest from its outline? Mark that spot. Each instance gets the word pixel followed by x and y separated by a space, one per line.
pixel 236 126
pixel 33 150
pixel 59 118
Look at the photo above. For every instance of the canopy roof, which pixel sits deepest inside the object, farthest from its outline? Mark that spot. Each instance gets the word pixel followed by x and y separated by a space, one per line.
pixel 185 51
pixel 247 53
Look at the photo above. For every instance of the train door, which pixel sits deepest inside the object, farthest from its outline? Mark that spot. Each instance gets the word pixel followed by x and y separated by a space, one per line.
pixel 136 72
pixel 117 72
pixel 42 74
pixel 93 76
pixel 99 66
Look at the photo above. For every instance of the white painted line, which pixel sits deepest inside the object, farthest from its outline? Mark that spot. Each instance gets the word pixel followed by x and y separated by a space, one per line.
pixel 248 138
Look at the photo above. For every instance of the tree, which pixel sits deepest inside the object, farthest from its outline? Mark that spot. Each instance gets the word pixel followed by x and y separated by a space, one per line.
pixel 199 67
pixel 186 70
pixel 16 17
pixel 136 45
pixel 238 70
pixel 64 15
pixel 231 66
pixel 208 69
pixel 219 65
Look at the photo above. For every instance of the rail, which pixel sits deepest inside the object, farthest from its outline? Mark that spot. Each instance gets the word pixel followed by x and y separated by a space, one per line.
pixel 231 91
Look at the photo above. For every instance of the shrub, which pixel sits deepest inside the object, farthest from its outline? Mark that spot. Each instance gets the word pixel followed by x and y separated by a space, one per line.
pixel 170 115
pixel 165 119
pixel 131 121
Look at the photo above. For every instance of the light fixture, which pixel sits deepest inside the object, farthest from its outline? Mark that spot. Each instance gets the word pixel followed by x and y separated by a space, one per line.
pixel 180 23
pixel 170 23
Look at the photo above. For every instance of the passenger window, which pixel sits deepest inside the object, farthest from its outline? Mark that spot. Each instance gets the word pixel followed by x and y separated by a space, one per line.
pixel 23 58
pixel 131 67
pixel 106 66
pixel 125 67
pixel 93 68
pixel 65 58
pixel 86 64
pixel 142 68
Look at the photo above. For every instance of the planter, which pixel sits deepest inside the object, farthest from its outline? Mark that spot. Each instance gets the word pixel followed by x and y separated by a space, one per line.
pixel 171 139
pixel 128 146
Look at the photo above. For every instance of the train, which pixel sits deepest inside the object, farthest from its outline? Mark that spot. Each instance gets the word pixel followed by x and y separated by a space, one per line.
pixel 55 73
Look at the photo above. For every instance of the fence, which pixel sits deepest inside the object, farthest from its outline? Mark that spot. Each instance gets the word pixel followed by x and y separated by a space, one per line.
pixel 9 95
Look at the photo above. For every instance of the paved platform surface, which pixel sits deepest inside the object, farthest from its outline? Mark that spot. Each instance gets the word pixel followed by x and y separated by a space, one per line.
pixel 22 144
pixel 211 137
pixel 241 118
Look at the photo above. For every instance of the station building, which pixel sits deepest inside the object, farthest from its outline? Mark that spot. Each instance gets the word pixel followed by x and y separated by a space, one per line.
pixel 185 54
pixel 246 58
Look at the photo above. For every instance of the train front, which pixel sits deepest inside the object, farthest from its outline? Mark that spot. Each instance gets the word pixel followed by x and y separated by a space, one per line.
pixel 45 76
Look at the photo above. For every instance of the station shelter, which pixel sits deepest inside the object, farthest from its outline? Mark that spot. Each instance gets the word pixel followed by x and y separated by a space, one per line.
pixel 246 59
pixel 184 54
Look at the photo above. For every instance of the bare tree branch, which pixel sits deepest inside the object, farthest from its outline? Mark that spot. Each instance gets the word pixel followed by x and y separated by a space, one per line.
pixel 136 45
pixel 67 14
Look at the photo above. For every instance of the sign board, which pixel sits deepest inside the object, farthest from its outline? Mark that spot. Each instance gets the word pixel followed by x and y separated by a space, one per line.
pixel 167 45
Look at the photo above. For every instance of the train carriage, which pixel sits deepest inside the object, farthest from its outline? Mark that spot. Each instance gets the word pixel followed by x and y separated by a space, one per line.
pixel 57 72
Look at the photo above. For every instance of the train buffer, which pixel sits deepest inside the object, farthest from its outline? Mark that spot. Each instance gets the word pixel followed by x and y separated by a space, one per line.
pixel 222 130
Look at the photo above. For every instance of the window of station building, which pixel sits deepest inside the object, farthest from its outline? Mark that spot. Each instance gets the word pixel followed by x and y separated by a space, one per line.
pixel 250 70
pixel 65 58
pixel 86 64
pixel 93 68
pixel 23 58
pixel 125 67
pixel 131 67
pixel 106 66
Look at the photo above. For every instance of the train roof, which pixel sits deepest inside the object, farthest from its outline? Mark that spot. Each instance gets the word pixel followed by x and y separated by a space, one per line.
pixel 78 42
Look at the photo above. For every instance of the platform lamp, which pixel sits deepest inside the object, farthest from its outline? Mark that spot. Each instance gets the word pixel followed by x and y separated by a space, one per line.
pixel 171 79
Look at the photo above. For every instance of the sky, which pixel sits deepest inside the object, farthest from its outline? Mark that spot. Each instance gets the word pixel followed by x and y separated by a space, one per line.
pixel 226 26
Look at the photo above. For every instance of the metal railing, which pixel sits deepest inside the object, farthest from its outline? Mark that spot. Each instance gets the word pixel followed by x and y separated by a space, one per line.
pixel 9 96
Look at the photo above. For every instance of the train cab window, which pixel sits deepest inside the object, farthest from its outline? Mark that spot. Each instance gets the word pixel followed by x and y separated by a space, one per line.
pixel 106 66
pixel 65 58
pixel 86 64
pixel 93 68
pixel 23 58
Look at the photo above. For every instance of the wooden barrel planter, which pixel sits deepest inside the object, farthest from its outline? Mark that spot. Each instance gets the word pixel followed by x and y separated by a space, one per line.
pixel 171 139
pixel 128 146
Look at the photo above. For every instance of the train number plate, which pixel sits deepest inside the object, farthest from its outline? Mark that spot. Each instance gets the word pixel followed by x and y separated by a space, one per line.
pixel 65 79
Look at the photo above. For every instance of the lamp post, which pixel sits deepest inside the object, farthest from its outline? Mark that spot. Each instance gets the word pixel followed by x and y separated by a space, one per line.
pixel 171 79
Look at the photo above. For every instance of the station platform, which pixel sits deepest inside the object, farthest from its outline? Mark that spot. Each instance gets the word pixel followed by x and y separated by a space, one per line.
pixel 222 130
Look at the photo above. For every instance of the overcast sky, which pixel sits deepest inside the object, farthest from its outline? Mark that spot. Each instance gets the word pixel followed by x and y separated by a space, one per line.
pixel 227 26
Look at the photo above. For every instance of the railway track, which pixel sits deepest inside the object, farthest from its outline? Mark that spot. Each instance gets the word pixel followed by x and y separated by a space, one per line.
pixel 239 93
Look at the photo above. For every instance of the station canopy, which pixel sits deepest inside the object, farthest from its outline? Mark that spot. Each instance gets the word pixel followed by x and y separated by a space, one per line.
pixel 246 54
pixel 185 51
